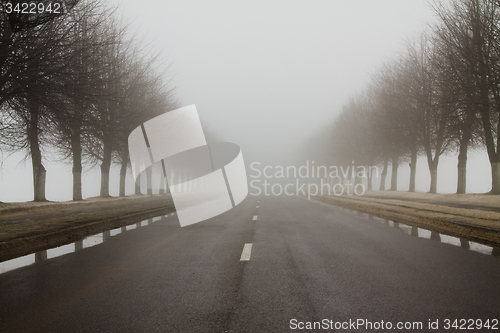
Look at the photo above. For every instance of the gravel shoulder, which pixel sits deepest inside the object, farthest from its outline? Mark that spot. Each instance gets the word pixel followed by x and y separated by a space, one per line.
pixel 32 226
pixel 454 215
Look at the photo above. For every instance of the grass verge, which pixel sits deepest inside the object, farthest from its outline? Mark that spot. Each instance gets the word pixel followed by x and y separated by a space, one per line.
pixel 477 225
pixel 29 227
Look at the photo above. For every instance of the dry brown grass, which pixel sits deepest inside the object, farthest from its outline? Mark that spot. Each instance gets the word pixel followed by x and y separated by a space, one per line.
pixel 482 199
pixel 26 219
pixel 478 225
pixel 29 227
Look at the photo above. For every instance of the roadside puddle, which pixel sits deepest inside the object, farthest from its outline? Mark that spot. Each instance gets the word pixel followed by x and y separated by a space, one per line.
pixel 79 245
pixel 435 236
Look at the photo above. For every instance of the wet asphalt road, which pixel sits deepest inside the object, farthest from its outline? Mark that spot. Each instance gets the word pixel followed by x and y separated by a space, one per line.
pixel 309 262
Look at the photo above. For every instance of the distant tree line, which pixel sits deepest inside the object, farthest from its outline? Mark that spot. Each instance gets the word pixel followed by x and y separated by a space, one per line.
pixel 77 85
pixel 441 95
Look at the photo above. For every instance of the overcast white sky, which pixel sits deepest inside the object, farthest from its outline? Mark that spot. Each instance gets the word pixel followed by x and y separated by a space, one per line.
pixel 263 74
pixel 266 73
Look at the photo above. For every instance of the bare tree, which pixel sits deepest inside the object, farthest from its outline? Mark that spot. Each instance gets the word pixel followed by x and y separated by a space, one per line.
pixel 353 137
pixel 146 94
pixel 470 31
pixel 75 115
pixel 34 62
pixel 390 120
pixel 430 94
pixel 458 79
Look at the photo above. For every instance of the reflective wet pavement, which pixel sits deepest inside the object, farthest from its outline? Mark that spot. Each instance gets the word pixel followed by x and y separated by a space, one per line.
pixel 99 238
pixel 82 244
pixel 432 235
pixel 308 261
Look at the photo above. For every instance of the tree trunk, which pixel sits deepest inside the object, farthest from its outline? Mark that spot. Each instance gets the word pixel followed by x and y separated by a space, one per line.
pixel 149 180
pixel 167 188
pixel 123 174
pixel 433 170
pixel 495 176
pixel 105 167
pixel 413 169
pixel 104 181
pixel 394 175
pixel 77 184
pixel 76 147
pixel 357 180
pixel 39 172
pixel 433 165
pixel 485 109
pixel 462 170
pixel 384 175
pixel 369 179
pixel 162 184
pixel 138 185
pixel 462 158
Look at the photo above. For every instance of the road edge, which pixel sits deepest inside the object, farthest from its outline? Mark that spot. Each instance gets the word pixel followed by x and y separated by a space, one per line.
pixel 480 234
pixel 22 246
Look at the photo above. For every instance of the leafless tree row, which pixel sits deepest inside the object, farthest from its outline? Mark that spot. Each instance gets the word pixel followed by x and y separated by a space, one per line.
pixel 442 95
pixel 78 85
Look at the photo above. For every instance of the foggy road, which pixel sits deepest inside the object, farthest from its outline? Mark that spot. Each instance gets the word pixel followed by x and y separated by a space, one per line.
pixel 308 262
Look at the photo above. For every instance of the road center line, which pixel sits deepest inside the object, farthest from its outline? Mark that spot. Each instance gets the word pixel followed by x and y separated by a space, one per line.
pixel 254 218
pixel 247 251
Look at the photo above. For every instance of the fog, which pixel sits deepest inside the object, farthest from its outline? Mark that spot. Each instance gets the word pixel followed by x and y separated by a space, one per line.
pixel 265 75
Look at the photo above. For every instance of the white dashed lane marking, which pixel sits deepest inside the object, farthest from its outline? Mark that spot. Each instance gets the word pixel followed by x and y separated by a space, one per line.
pixel 247 251
pixel 254 217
